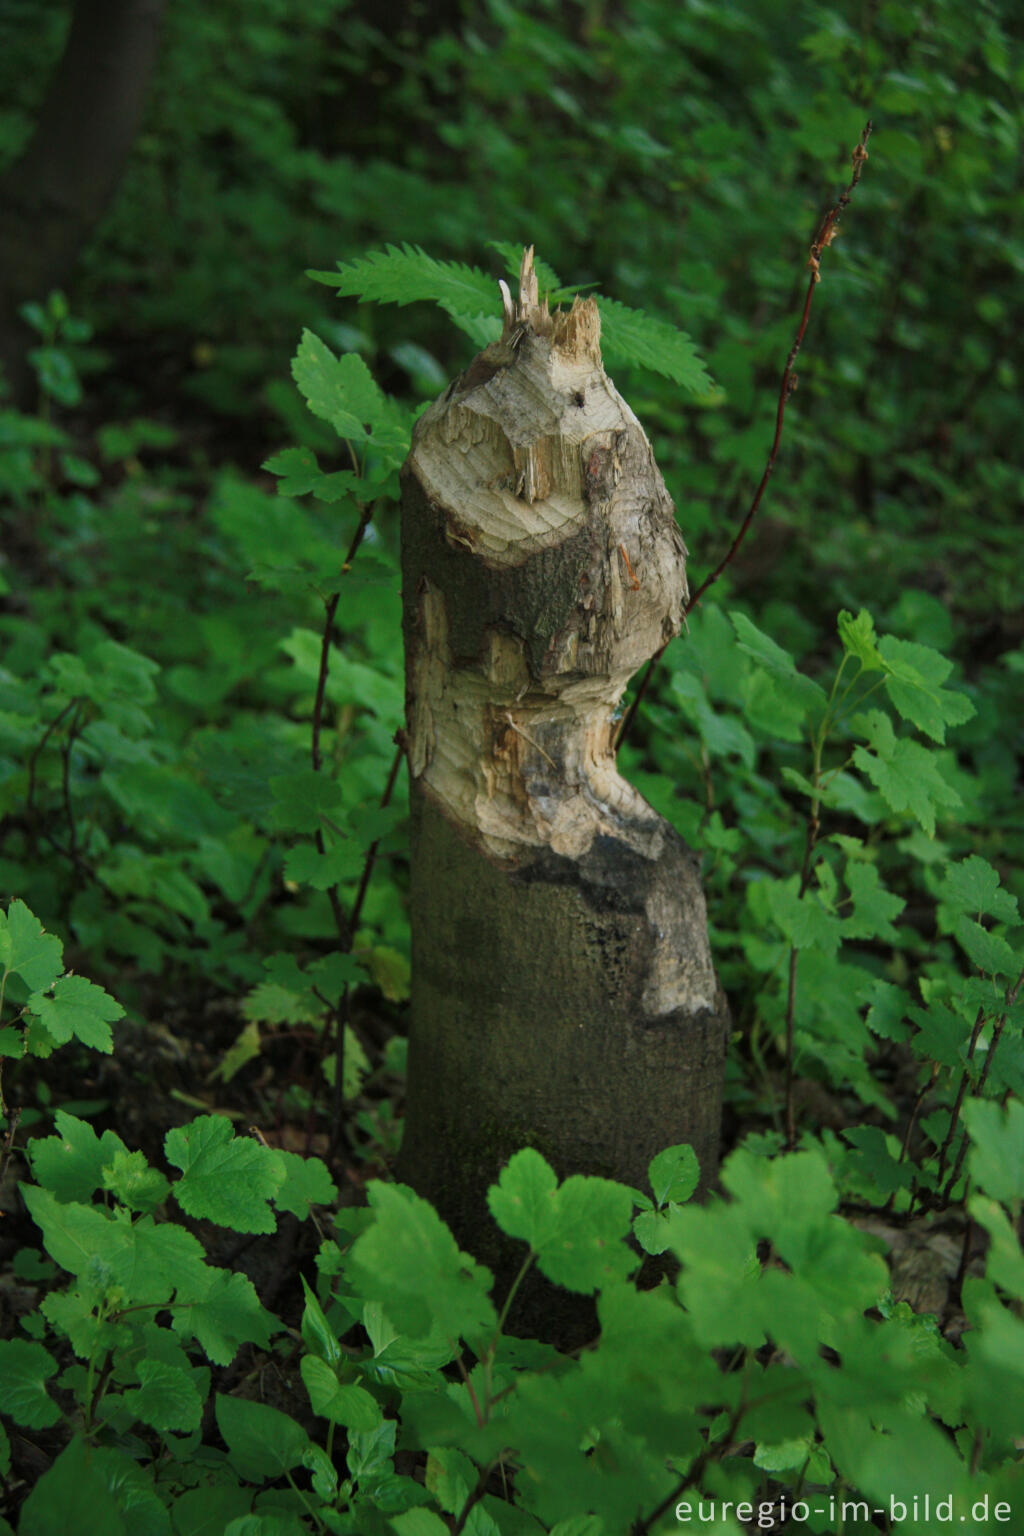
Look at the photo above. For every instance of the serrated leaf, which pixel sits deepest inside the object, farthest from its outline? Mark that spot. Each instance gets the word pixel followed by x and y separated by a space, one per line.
pixel 340 1402
pixel 873 906
pixel 859 639
pixel 166 1398
pixel 25 1368
pixel 228 1315
pixel 406 274
pixel 674 1175
pixel 271 1003
pixel 904 772
pixel 409 1261
pixel 225 1178
pixel 302 800
pixel 301 475
pixel 82 1239
pixel 27 950
pixel 523 1202
pixel 130 1179
pixel 974 886
pixel 633 336
pixel 988 951
pixel 71 1484
pixel 802 919
pixel 263 1443
pixel 79 1008
pixel 306 1182
pixel 343 392
pixel 996 1159
pixel 915 674
pixel 587 1250
pixel 71 1163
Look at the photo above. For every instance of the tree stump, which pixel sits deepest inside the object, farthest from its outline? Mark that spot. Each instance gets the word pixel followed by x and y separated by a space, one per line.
pixel 563 994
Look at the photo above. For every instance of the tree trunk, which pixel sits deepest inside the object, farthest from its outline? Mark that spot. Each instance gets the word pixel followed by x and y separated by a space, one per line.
pixel 563 989
pixel 52 196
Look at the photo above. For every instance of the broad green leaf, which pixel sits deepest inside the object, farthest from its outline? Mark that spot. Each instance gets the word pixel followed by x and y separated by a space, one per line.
pixel 409 1261
pixel 873 906
pixel 263 1443
pixel 27 950
pixel 1004 1263
pixel 226 1179
pixel 80 1008
pixel 306 1182
pixel 988 951
pixel 370 1453
pixel 859 640
pixel 317 1333
pixel 72 1485
pixel 915 674
pixel 802 919
pixel 130 1179
pixel 209 1509
pixel 524 1201
pixel 301 475
pixel 973 886
pixel 674 1175
pixel 343 391
pixel 341 1402
pixel 904 772
pixel 71 1163
pixel 304 800
pixel 82 1239
pixel 166 1397
pixel 25 1368
pixel 996 1159
pixel 419 1522
pixel 586 1250
pixel 227 1315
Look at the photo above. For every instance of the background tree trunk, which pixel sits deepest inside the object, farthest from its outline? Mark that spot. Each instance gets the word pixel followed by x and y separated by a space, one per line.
pixel 563 989
pixel 54 194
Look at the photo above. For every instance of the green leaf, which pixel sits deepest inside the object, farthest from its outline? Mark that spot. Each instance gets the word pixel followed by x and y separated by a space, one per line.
pixel 306 1182
pixel 130 1179
pixel 301 475
pixel 343 391
pixel 227 1315
pixel 996 1159
pixel 78 1008
pixel 915 674
pixel 317 1333
pixel 166 1398
pixel 859 640
pixel 406 274
pixel 419 1522
pixel 303 800
pixel 974 886
pixel 27 950
pixel 802 919
pixel 587 1249
pixel 873 906
pixel 524 1201
pixel 263 1443
pixel 209 1509
pixel 71 1163
pixel 340 1402
pixel 988 951
pixel 905 773
pixel 71 1485
pixel 633 336
pixel 82 1239
pixel 409 1261
pixel 25 1368
pixel 674 1175
pixel 226 1179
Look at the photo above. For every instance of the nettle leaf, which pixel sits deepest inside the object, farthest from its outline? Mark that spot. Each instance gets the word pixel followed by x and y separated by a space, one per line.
pixel 633 336
pixel 71 1163
pixel 27 950
pixel 79 1008
pixel 905 773
pixel 996 1159
pixel 25 1368
pixel 974 886
pixel 263 1443
pixel 988 951
pixel 859 639
pixel 340 1402
pixel 409 1261
pixel 225 1178
pixel 915 674
pixel 406 274
pixel 873 906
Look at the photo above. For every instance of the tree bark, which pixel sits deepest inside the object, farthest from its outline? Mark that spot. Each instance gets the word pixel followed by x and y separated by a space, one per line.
pixel 563 993
pixel 54 194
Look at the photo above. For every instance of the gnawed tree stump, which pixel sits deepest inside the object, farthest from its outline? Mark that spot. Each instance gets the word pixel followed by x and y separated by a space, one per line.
pixel 563 994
